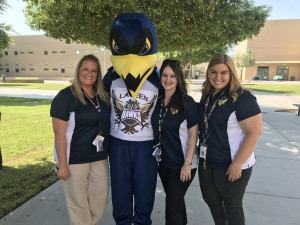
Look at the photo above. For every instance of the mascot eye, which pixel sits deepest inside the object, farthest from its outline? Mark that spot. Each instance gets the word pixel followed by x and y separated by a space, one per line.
pixel 146 48
pixel 116 48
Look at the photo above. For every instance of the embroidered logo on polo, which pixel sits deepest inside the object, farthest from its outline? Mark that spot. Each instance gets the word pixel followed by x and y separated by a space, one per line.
pixel 132 114
pixel 222 101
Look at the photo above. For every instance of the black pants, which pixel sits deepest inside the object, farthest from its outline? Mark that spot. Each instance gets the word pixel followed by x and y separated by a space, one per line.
pixel 175 190
pixel 224 198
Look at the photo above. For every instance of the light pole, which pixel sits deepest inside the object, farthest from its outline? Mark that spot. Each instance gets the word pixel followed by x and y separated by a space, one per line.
pixel 103 49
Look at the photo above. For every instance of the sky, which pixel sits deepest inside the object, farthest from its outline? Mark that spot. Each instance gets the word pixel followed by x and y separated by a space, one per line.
pixel 288 9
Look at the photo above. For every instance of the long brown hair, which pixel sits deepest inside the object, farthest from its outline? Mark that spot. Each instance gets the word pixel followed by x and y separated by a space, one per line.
pixel 178 98
pixel 98 85
pixel 235 87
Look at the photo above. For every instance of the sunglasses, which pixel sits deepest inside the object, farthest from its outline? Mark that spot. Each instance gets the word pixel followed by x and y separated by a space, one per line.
pixel 171 61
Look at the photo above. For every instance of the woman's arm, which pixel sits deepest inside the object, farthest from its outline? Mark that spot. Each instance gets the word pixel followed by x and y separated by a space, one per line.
pixel 59 128
pixel 252 127
pixel 185 173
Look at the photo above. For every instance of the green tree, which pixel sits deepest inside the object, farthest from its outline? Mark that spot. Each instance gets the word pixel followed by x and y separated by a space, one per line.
pixel 188 27
pixel 5 40
pixel 243 61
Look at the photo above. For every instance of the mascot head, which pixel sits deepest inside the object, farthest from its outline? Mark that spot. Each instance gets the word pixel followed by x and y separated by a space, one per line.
pixel 133 45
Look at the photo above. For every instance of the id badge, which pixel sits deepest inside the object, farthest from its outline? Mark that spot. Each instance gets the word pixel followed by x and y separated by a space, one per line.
pixel 203 150
pixel 98 142
pixel 157 152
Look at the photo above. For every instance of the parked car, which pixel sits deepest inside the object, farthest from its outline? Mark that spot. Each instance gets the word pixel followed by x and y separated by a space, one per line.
pixel 256 77
pixel 278 77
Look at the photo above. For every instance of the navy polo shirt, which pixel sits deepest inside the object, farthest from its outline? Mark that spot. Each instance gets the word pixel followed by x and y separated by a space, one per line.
pixel 175 136
pixel 224 131
pixel 84 123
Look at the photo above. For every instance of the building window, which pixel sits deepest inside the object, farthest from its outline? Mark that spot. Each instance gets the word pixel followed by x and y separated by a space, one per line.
pixel 7 70
pixel 17 70
pixel 30 52
pixel 31 69
pixel 21 52
pixel 1 68
pixel 17 64
pixel 6 53
pixel 54 52
pixel 16 53
pixel 283 71
pixel 23 69
pixel 62 70
pixel 96 51
pixel 45 52
pixel 262 73
pixel 46 69
pixel 54 69
pixel 77 52
pixel 62 51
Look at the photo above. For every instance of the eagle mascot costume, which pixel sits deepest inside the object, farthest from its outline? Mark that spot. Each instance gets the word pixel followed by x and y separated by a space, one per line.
pixel 132 82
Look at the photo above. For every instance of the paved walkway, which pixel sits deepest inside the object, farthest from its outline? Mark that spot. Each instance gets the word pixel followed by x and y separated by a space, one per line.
pixel 272 196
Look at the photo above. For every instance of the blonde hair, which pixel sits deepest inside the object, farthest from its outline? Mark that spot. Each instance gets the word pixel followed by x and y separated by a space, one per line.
pixel 98 85
pixel 235 87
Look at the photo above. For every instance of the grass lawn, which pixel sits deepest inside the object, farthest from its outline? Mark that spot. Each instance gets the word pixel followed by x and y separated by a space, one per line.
pixel 26 146
pixel 46 86
pixel 280 88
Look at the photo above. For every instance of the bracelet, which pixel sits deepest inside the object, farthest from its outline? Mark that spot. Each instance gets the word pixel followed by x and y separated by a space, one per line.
pixel 187 163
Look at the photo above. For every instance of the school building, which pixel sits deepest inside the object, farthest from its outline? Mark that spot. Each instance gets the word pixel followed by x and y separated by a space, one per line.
pixel 276 50
pixel 48 58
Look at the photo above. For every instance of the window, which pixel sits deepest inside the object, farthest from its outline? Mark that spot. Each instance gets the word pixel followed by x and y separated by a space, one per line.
pixel 77 52
pixel 62 70
pixel 6 53
pixel 31 69
pixel 46 69
pixel 54 69
pixel 21 52
pixel 283 71
pixel 17 70
pixel 23 69
pixel 54 52
pixel 16 52
pixel 7 70
pixel 96 51
pixel 30 52
pixel 62 51
pixel 45 52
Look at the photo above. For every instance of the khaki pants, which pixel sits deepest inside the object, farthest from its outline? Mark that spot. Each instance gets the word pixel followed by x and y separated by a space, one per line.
pixel 86 192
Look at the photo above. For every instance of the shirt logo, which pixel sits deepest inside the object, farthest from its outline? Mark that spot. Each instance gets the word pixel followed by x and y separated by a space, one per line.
pixel 131 113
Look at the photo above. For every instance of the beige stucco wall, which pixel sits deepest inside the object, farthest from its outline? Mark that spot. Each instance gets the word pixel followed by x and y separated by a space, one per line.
pixel 277 45
pixel 31 60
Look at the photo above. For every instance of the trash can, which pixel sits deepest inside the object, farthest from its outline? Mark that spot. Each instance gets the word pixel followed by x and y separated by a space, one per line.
pixel 292 78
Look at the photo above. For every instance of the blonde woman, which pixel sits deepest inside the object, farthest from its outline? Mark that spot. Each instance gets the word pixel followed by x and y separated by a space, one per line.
pixel 230 126
pixel 81 123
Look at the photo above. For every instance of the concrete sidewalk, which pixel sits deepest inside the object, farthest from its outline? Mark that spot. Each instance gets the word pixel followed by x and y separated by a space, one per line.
pixel 272 196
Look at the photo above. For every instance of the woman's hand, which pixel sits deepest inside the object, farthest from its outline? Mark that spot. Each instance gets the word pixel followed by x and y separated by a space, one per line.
pixel 185 173
pixel 234 172
pixel 63 172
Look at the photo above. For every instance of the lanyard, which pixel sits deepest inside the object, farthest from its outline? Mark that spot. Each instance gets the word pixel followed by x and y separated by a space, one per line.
pixel 97 107
pixel 208 114
pixel 161 119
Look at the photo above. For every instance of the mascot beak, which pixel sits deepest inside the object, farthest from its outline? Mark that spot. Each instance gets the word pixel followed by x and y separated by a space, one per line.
pixel 134 70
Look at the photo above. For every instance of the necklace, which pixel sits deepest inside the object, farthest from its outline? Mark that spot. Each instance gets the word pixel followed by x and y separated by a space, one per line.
pixel 97 107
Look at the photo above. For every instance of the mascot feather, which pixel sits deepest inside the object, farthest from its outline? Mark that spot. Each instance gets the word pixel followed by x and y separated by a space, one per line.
pixel 133 83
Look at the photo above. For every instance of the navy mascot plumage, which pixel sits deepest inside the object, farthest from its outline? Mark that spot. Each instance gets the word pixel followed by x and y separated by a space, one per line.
pixel 132 82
